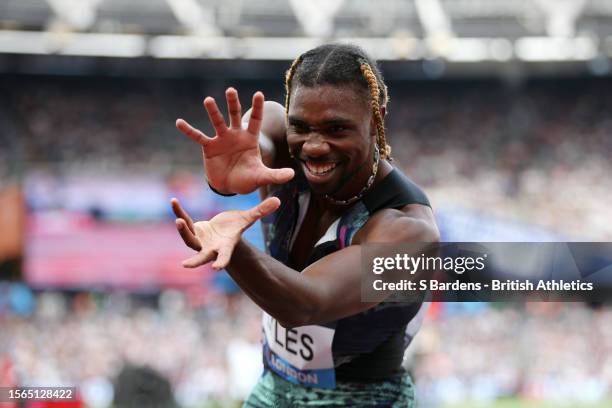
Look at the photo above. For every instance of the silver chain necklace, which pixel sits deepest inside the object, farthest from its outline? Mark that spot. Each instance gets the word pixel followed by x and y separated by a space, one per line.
pixel 369 183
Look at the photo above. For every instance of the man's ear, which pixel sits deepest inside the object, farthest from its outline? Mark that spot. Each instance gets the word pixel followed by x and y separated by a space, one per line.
pixel 383 111
pixel 373 127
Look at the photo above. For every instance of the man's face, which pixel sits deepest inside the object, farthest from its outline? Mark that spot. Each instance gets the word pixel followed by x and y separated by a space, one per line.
pixel 331 134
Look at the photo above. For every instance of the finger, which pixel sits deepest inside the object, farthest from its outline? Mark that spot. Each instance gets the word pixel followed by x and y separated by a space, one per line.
pixel 234 108
pixel 256 114
pixel 188 237
pixel 181 213
pixel 200 258
pixel 275 176
pixel 223 258
pixel 268 206
pixel 215 116
pixel 193 133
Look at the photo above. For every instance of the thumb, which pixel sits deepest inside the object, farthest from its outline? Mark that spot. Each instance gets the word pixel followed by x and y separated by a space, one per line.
pixel 268 206
pixel 224 256
pixel 275 176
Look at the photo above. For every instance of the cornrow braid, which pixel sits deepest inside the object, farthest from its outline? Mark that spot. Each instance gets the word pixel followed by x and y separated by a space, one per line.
pixel 381 140
pixel 288 78
pixel 342 64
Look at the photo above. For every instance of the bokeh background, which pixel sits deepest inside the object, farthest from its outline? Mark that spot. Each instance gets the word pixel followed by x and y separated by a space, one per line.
pixel 501 110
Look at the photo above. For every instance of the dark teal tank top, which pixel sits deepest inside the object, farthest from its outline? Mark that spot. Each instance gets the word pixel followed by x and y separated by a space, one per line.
pixel 368 346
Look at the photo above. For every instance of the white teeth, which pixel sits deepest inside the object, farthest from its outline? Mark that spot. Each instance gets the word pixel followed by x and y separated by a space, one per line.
pixel 320 168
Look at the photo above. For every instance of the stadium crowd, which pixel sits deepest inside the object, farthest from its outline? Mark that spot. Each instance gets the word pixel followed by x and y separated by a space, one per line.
pixel 210 353
pixel 536 153
pixel 539 155
pixel 558 353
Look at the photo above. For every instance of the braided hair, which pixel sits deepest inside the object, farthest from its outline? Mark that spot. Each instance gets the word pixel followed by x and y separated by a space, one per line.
pixel 343 64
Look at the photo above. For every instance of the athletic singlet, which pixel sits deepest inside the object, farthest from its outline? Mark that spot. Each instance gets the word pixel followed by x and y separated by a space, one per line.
pixel 368 346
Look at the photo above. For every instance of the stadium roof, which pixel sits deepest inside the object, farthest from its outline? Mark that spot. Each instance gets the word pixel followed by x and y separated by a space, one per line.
pixel 452 30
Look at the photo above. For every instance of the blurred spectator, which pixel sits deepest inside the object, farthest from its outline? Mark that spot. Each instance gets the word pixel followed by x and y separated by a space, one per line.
pixel 142 387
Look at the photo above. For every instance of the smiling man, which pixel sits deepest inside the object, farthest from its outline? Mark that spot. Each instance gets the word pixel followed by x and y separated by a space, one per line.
pixel 325 158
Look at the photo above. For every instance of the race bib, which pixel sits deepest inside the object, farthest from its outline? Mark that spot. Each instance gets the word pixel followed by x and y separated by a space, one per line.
pixel 301 355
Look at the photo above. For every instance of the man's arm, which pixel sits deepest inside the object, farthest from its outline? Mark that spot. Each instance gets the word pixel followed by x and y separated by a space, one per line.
pixel 330 288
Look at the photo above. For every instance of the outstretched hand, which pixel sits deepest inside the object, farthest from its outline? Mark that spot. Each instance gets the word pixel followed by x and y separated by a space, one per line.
pixel 232 157
pixel 215 239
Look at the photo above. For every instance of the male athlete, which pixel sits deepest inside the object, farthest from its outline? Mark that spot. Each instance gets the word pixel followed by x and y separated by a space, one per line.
pixel 322 167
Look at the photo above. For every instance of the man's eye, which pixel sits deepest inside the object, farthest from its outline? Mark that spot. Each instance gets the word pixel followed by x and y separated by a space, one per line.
pixel 300 128
pixel 336 129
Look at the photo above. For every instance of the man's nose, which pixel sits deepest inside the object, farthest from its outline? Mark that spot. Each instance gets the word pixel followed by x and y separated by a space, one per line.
pixel 315 145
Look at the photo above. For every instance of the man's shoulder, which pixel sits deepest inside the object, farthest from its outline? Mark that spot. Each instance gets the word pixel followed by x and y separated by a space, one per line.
pixel 395 190
pixel 411 223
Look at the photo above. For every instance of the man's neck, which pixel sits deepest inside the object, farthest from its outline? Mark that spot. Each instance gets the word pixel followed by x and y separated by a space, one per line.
pixel 323 205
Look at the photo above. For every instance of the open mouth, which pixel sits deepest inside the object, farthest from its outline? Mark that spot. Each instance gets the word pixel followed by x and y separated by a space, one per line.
pixel 319 169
